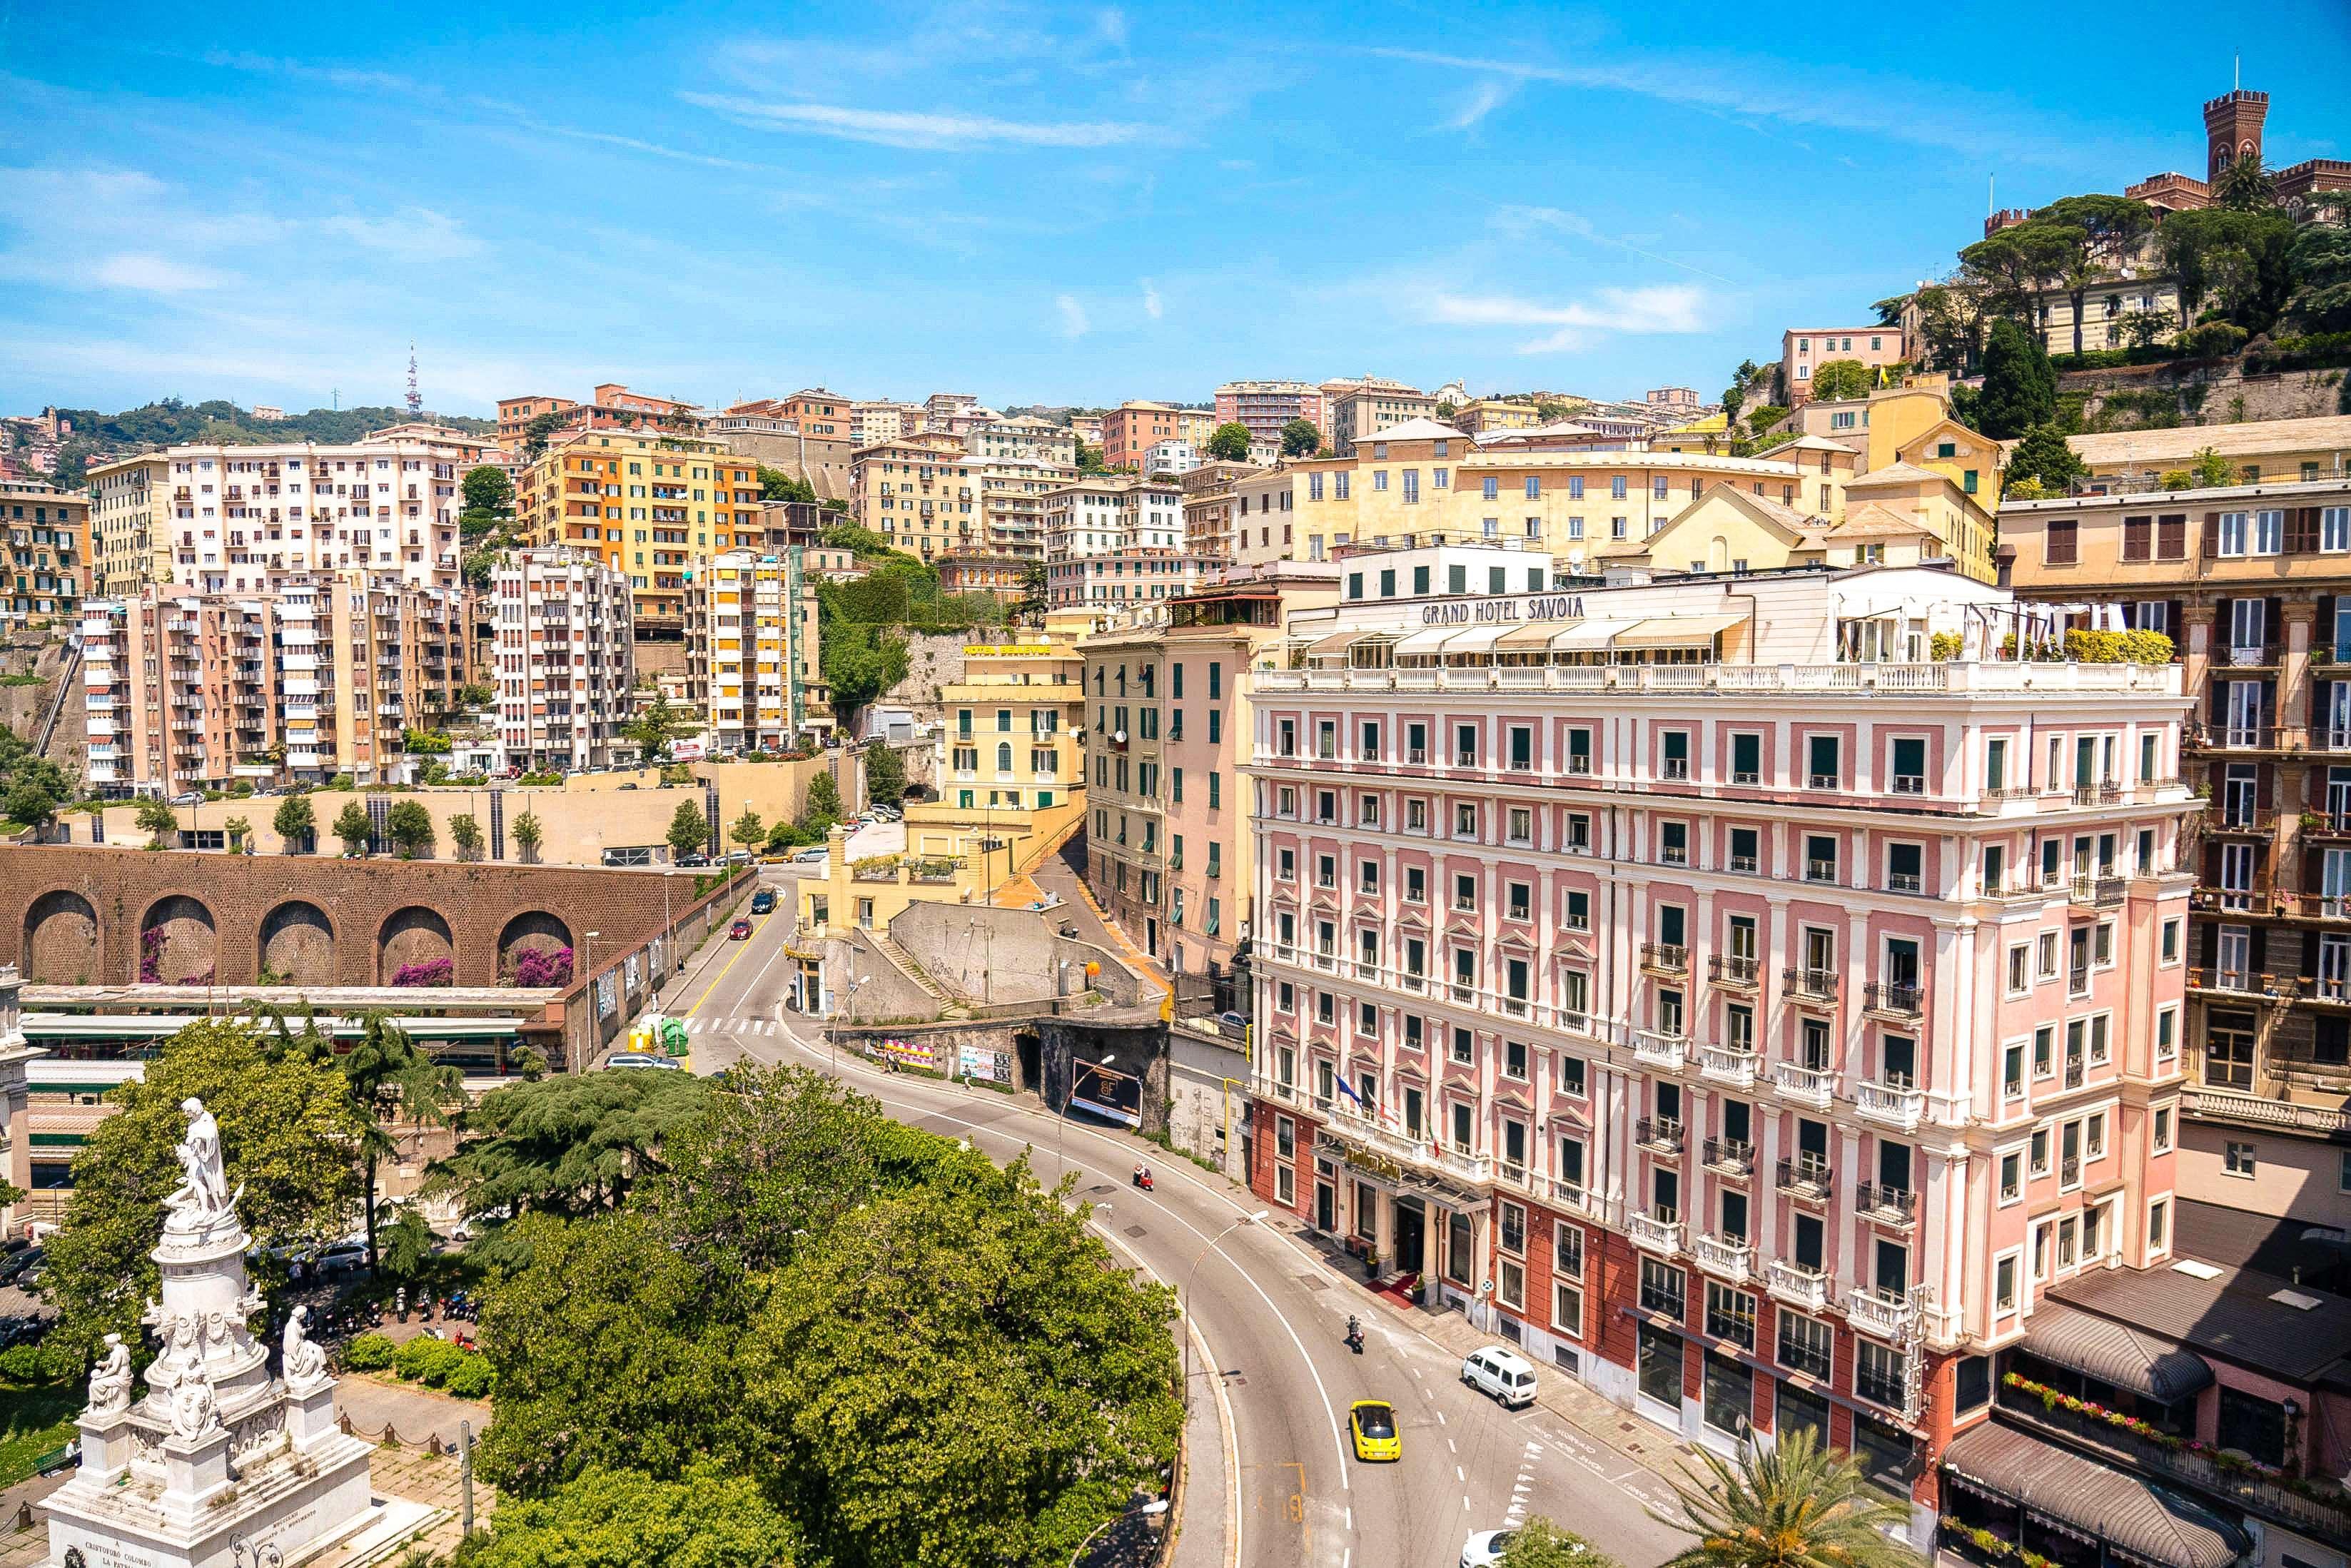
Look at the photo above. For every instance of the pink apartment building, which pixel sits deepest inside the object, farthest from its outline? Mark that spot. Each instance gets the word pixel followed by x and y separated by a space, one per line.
pixel 1740 1013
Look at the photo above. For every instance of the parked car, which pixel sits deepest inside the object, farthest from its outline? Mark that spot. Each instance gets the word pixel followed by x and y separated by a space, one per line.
pixel 190 799
pixel 342 1255
pixel 1505 1375
pixel 643 1060
pixel 813 857
pixel 739 932
pixel 763 901
pixel 1484 1548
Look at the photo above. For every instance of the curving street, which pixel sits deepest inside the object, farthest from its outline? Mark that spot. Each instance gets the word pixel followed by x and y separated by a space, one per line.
pixel 1272 1481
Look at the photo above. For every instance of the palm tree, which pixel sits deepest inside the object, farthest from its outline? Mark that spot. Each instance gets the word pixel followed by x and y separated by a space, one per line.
pixel 391 1080
pixel 1792 1505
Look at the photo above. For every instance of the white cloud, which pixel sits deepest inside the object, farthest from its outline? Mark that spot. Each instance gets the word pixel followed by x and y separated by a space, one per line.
pixel 1074 324
pixel 1655 308
pixel 1521 220
pixel 893 128
pixel 1110 23
pixel 1151 304
pixel 411 233
pixel 1484 99
pixel 153 273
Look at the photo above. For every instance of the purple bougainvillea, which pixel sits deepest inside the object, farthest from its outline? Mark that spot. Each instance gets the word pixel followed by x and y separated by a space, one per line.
pixel 431 972
pixel 538 967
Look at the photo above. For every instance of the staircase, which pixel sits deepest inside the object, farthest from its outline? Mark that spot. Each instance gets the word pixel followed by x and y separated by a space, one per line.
pixel 950 1006
pixel 68 685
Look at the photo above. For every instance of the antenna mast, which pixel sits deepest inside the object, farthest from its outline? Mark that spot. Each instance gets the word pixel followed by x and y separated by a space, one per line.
pixel 415 398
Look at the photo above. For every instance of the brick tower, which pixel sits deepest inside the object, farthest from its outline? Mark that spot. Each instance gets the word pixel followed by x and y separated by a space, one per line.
pixel 2232 130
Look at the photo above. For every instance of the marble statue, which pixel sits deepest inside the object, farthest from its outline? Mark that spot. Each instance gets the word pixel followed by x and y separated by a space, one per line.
pixel 109 1380
pixel 195 1411
pixel 304 1360
pixel 203 1194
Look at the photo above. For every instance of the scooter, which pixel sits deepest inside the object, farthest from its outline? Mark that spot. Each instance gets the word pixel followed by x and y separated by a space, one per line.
pixel 1354 1335
pixel 1143 1177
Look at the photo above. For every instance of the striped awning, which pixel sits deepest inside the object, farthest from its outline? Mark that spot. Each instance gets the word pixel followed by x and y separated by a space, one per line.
pixel 2107 1504
pixel 1677 630
pixel 2130 1359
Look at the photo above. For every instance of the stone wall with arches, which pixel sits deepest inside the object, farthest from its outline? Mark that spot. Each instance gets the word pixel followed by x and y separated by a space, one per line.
pixel 75 915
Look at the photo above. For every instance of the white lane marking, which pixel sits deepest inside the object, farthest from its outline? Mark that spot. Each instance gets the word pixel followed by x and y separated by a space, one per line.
pixel 1457 1474
pixel 1465 1505
pixel 1451 1447
pixel 1440 1417
pixel 1338 1445
pixel 1232 1433
pixel 1351 1516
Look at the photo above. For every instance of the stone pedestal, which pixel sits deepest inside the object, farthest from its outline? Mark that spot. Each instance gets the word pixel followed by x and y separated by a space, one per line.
pixel 220 1465
pixel 196 1471
pixel 106 1446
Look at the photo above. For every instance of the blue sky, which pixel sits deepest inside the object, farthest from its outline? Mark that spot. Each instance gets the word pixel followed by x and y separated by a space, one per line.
pixel 1036 203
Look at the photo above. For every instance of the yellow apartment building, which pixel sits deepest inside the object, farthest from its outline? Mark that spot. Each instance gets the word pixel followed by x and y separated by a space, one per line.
pixel 922 493
pixel 652 506
pixel 1012 721
pixel 753 662
pixel 1428 480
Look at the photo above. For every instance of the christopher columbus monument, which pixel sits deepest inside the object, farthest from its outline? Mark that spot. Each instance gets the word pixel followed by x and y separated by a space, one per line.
pixel 219 1464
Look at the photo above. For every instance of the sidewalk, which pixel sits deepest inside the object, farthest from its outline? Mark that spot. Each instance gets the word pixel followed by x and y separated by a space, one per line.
pixel 1060 874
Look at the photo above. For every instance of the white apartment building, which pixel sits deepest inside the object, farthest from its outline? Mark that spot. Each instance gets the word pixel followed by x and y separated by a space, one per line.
pixel 1023 436
pixel 752 654
pixel 219 519
pixel 1177 456
pixel 1111 515
pixel 563 659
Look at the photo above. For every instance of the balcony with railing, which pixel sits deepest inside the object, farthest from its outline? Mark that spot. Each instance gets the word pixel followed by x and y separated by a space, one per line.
pixel 1897 998
pixel 2233 736
pixel 1667 957
pixel 1732 969
pixel 1660 1135
pixel 1890 1206
pixel 1888 1315
pixel 1727 1064
pixel 1798 1285
pixel 1806 1179
pixel 1899 1105
pixel 1657 1232
pixel 1660 1048
pixel 2254 983
pixel 1814 986
pixel 1731 1156
pixel 1725 1257
pixel 1813 1086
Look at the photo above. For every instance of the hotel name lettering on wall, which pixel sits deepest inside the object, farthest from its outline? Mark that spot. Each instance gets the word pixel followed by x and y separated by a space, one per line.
pixel 1533 607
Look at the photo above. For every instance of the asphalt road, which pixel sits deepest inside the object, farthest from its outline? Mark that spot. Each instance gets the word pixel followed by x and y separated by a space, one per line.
pixel 1275 1376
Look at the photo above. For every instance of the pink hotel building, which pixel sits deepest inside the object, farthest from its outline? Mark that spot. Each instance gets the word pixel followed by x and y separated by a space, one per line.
pixel 1753 1030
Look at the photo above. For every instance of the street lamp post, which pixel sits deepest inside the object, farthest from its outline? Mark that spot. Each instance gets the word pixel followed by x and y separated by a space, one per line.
pixel 1155 1507
pixel 832 1026
pixel 1184 1297
pixel 1062 1127
pixel 588 966
pixel 669 934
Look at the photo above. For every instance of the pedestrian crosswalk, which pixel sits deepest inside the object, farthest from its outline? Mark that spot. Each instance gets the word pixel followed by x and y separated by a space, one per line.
pixel 712 1025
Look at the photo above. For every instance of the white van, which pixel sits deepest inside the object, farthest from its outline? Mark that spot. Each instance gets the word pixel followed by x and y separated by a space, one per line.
pixel 1506 1374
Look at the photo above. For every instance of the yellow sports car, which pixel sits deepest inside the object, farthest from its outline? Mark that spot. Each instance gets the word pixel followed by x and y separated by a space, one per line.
pixel 1373 1424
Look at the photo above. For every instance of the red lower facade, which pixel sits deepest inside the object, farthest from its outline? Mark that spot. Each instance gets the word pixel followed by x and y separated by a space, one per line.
pixel 1696 1354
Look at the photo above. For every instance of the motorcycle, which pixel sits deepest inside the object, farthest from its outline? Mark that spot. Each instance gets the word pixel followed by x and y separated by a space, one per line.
pixel 1143 1177
pixel 1354 1335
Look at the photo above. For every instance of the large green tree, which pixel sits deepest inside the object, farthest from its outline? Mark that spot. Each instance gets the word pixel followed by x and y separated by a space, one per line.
pixel 821 806
pixel 2020 385
pixel 885 775
pixel 623 1519
pixel 689 830
pixel 2044 457
pixel 1790 1505
pixel 297 822
pixel 1836 380
pixel 290 1139
pixel 155 818
pixel 655 724
pixel 352 827
pixel 1229 443
pixel 1300 438
pixel 392 1082
pixel 1540 1543
pixel 410 827
pixel 2320 261
pixel 775 484
pixel 487 489
pixel 749 831
pixel 2234 264
pixel 862 662
pixel 569 1144
pixel 920 1357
